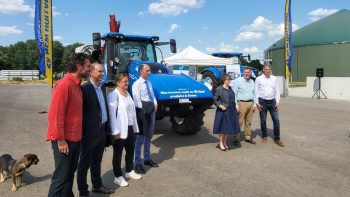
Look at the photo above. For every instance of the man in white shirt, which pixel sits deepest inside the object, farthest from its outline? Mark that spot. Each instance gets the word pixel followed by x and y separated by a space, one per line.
pixel 145 103
pixel 268 99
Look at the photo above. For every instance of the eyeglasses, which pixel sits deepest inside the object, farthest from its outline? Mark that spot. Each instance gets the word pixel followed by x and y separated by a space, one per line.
pixel 124 81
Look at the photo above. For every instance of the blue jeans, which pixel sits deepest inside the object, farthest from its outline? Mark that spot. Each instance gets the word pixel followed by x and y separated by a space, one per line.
pixel 269 105
pixel 145 141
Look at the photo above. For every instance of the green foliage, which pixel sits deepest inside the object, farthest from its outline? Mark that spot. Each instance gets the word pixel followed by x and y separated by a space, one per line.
pixel 25 56
pixel 58 50
pixel 17 79
pixel 244 62
pixel 68 51
pixel 256 64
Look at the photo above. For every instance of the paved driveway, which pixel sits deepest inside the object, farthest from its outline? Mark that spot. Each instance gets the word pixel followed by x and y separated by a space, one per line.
pixel 315 161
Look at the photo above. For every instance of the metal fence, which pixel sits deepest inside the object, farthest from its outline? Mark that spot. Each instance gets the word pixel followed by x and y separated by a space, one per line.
pixel 24 74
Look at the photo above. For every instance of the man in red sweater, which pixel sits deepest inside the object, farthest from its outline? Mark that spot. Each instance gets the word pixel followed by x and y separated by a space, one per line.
pixel 65 125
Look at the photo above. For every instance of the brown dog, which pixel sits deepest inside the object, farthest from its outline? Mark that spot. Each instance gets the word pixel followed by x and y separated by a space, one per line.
pixel 16 168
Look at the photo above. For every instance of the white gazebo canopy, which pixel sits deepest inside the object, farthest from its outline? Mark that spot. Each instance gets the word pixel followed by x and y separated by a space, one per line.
pixel 191 56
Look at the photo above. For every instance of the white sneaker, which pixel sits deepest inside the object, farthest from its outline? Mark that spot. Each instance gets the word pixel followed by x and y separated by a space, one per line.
pixel 132 175
pixel 120 181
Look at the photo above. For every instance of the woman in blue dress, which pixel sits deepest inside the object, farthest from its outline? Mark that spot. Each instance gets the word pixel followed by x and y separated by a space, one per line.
pixel 226 118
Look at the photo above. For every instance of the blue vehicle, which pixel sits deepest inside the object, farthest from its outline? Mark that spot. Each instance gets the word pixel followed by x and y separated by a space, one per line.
pixel 212 75
pixel 179 96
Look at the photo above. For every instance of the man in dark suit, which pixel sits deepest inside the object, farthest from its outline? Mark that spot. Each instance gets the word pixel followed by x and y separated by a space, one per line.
pixel 95 128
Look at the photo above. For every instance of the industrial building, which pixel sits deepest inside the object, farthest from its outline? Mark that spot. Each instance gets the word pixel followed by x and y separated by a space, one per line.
pixel 321 44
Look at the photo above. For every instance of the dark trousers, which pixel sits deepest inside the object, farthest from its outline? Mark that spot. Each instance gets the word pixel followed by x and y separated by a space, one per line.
pixel 90 157
pixel 65 166
pixel 118 146
pixel 269 105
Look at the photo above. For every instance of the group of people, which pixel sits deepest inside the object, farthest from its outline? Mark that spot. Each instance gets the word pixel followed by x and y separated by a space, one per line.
pixel 237 100
pixel 82 119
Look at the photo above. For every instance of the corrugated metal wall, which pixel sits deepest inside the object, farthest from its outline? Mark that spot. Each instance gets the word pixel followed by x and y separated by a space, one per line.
pixel 334 58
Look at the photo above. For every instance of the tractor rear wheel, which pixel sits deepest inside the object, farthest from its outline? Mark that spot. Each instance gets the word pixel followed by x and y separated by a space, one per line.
pixel 187 125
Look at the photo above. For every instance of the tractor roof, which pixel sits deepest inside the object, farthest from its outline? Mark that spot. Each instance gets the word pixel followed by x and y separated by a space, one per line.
pixel 121 36
pixel 226 54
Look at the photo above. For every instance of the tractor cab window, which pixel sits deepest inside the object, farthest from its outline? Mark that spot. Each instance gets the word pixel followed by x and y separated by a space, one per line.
pixel 132 50
pixel 157 69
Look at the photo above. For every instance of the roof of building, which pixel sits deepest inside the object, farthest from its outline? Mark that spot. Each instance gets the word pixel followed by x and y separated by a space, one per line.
pixel 329 30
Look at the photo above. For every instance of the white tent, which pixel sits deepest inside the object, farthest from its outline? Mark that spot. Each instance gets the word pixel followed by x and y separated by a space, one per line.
pixel 191 56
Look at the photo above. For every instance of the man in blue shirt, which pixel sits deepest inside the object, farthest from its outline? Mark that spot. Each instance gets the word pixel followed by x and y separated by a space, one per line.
pixel 244 89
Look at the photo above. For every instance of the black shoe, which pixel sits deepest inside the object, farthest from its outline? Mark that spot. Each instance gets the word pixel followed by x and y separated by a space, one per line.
pixel 218 146
pixel 279 143
pixel 237 144
pixel 139 169
pixel 250 141
pixel 103 190
pixel 150 163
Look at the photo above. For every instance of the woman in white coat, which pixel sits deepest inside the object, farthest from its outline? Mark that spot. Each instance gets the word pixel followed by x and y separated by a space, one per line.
pixel 123 122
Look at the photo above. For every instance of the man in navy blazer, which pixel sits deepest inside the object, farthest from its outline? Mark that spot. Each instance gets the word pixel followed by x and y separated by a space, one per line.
pixel 95 128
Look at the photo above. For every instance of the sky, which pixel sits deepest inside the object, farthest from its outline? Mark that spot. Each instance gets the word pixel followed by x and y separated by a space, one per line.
pixel 248 26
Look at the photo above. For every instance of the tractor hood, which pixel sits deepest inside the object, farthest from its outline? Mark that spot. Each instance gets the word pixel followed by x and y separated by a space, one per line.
pixel 178 86
pixel 169 86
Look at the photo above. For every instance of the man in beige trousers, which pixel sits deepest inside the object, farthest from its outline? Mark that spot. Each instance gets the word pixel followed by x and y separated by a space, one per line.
pixel 245 104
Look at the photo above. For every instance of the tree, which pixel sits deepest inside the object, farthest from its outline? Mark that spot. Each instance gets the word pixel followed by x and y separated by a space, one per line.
pixel 25 56
pixel 256 64
pixel 58 50
pixel 244 62
pixel 32 55
pixel 4 58
pixel 68 51
pixel 19 59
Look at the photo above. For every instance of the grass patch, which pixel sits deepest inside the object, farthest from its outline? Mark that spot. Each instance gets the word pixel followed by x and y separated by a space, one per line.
pixel 296 84
pixel 17 79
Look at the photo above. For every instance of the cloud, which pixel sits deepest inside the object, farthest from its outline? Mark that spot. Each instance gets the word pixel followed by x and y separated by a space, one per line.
pixel 57 38
pixel 210 49
pixel 174 7
pixel 259 24
pixel 226 47
pixel 222 47
pixel 173 27
pixel 7 30
pixel 15 6
pixel 252 49
pixel 320 12
pixel 30 24
pixel 278 31
pixel 260 27
pixel 141 13
pixel 248 36
pixel 55 13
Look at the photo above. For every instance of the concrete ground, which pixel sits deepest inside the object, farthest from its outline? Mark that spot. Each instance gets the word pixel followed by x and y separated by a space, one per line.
pixel 315 161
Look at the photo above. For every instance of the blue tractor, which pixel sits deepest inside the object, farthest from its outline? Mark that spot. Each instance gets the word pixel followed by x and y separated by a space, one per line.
pixel 212 75
pixel 179 96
